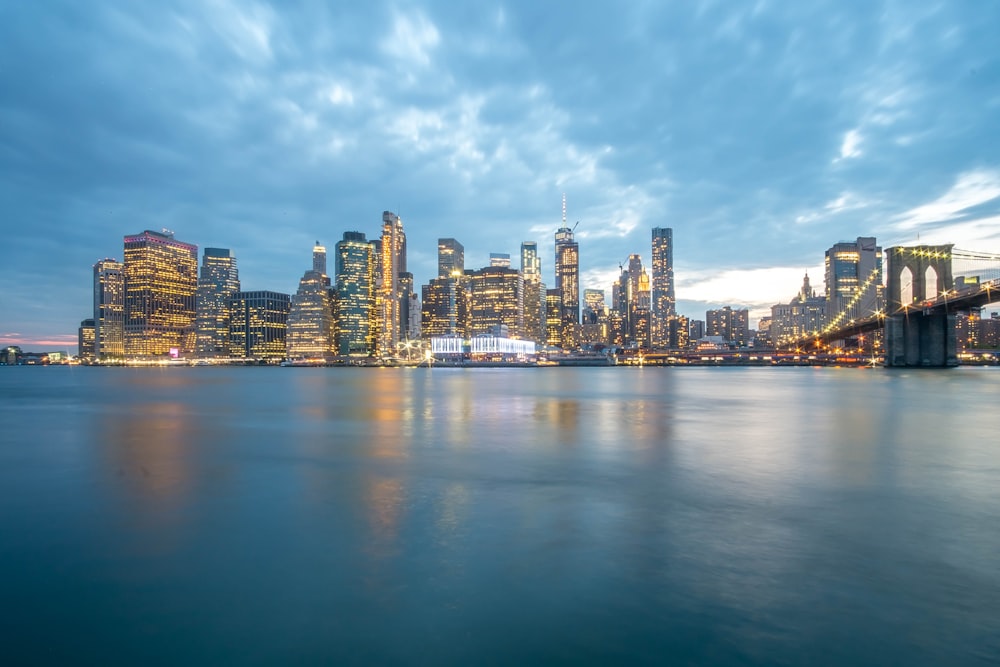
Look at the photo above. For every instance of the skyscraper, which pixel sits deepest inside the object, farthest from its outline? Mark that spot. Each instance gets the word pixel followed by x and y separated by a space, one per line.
pixel 109 309
pixel 733 326
pixel 534 292
pixel 85 340
pixel 444 308
pixel 161 283
pixel 854 269
pixel 319 259
pixel 568 281
pixel 390 295
pixel 355 295
pixel 258 324
pixel 219 281
pixel 310 319
pixel 497 300
pixel 663 300
pixel 451 257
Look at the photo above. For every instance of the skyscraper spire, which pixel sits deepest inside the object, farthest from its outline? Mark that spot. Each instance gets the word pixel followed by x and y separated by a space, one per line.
pixel 564 209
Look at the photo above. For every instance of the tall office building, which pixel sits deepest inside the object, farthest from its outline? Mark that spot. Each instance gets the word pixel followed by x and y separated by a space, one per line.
pixel 85 340
pixel 258 325
pixel 319 259
pixel 663 300
pixel 219 280
pixel 496 297
pixel 389 292
pixel 804 314
pixel 500 260
pixel 733 326
pixel 161 284
pixel 534 293
pixel 553 318
pixel 854 269
pixel 568 281
pixel 355 295
pixel 451 257
pixel 310 319
pixel 445 307
pixel 109 309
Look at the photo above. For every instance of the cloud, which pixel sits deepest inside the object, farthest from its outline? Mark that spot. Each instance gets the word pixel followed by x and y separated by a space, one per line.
pixel 971 189
pixel 412 39
pixel 850 147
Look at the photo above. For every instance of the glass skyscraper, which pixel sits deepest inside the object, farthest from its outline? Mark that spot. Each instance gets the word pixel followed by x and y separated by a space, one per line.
pixel 854 268
pixel 355 295
pixel 161 282
pixel 451 257
pixel 258 324
pixel 496 296
pixel 389 288
pixel 663 300
pixel 218 282
pixel 568 283
pixel 310 319
pixel 109 309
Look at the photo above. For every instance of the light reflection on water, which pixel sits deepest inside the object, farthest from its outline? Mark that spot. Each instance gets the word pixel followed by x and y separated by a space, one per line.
pixel 737 516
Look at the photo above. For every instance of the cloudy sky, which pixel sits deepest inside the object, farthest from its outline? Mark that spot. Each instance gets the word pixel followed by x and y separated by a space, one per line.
pixel 761 132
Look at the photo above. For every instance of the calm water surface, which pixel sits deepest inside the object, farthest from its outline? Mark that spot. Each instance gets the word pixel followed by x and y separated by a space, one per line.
pixel 500 516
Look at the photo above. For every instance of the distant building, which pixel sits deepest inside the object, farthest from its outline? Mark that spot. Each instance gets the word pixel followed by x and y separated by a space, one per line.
pixel 854 274
pixel 804 314
pixel 663 300
pixel 258 324
pixel 310 320
pixel 161 284
pixel 500 260
pixel 451 257
pixel 568 282
pixel 444 307
pixel 534 293
pixel 355 286
pixel 696 330
pixel 85 340
pixel 553 318
pixel 390 297
pixel 109 309
pixel 218 282
pixel 496 297
pixel 732 326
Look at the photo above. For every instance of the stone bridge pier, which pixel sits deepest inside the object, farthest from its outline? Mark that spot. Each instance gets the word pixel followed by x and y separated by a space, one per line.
pixel 916 333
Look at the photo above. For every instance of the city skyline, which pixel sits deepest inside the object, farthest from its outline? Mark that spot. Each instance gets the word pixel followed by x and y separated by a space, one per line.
pixel 761 137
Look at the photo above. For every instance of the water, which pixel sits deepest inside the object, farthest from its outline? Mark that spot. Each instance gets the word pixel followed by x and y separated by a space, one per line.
pixel 740 516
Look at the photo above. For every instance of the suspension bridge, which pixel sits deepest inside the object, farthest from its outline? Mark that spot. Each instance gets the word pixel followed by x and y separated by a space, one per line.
pixel 926 285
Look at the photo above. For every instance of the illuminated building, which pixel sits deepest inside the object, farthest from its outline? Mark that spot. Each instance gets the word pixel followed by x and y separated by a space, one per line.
pixel 310 319
pixel 804 314
pixel 568 281
pixel 219 280
pixel 355 295
pixel 444 308
pixel 319 259
pixel 500 260
pixel 989 331
pixel 534 292
pixel 451 257
pixel 663 300
pixel 109 309
pixel 594 329
pixel 258 324
pixel 678 328
pixel 388 289
pixel 732 326
pixel 851 266
pixel 85 340
pixel 553 318
pixel 496 297
pixel 405 296
pixel 161 284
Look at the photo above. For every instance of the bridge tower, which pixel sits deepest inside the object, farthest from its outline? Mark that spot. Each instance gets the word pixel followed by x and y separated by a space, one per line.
pixel 915 334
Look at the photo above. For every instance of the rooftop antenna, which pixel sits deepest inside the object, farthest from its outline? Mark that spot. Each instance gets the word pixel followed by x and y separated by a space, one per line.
pixel 564 209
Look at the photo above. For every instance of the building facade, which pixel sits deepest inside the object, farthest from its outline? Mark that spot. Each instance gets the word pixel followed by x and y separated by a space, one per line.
pixel 451 257
pixel 804 314
pixel 310 333
pixel 854 274
pixel 258 325
pixel 663 300
pixel 161 284
pixel 389 292
pixel 218 282
pixel 496 299
pixel 568 283
pixel 733 326
pixel 355 285
pixel 109 309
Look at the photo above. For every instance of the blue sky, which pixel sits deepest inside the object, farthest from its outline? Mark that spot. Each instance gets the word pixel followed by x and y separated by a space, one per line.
pixel 761 132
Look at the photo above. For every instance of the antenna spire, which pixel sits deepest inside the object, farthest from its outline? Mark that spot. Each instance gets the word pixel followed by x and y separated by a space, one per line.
pixel 564 209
